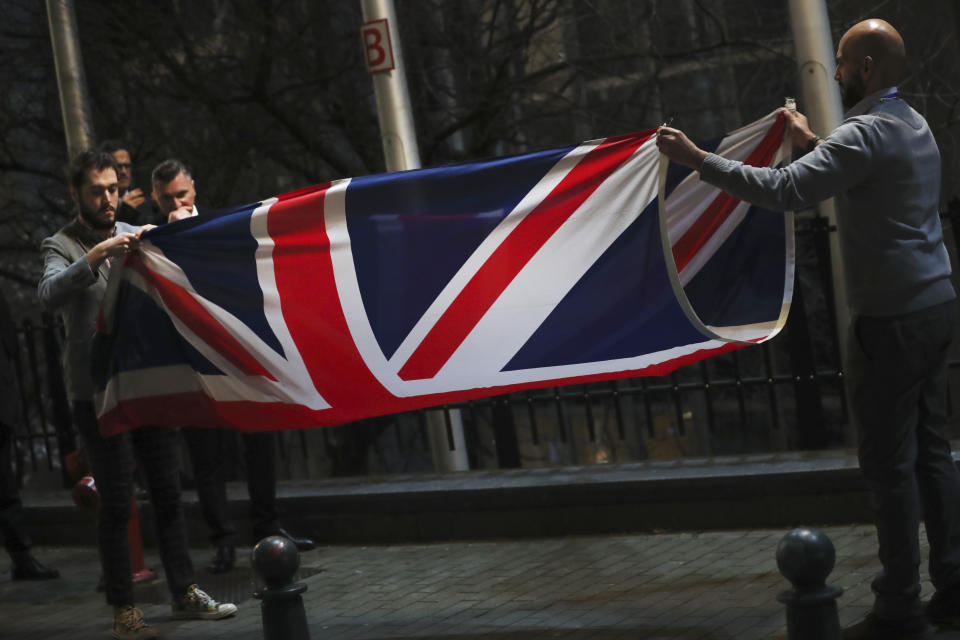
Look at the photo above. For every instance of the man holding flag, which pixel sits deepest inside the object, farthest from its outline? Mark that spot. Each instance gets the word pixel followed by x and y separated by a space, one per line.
pixel 174 189
pixel 76 265
pixel 884 163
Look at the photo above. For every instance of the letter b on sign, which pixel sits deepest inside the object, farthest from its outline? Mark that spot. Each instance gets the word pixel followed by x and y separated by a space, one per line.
pixel 377 51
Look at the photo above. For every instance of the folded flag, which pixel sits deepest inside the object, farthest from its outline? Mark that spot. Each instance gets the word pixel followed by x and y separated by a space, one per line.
pixel 386 293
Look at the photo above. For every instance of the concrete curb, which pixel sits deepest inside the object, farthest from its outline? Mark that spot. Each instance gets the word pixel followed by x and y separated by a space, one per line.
pixel 763 491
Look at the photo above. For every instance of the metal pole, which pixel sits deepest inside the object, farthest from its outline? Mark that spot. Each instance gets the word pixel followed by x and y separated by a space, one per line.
pixel 385 62
pixel 821 100
pixel 393 99
pixel 71 82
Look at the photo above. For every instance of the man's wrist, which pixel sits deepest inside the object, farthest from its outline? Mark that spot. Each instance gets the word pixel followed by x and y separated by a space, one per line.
pixel 813 142
pixel 702 156
pixel 95 257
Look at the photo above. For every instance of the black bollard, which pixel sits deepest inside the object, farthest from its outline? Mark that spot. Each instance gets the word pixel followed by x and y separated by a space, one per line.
pixel 275 560
pixel 805 557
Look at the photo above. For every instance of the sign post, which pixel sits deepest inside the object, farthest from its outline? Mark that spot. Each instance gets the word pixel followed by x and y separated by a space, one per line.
pixel 821 105
pixel 384 61
pixel 71 82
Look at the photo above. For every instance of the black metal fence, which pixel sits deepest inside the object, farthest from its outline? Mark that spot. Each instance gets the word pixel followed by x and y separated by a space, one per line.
pixel 785 394
pixel 45 434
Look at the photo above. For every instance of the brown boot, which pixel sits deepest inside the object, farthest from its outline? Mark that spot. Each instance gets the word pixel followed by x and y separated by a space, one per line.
pixel 128 624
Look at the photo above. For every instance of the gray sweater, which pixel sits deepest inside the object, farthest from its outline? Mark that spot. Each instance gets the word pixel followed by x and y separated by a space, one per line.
pixel 883 165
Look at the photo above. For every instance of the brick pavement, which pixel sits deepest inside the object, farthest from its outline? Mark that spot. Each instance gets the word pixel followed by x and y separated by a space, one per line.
pixel 676 586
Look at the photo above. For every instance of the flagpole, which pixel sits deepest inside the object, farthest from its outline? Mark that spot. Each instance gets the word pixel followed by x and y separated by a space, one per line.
pixel 384 60
pixel 822 106
pixel 71 82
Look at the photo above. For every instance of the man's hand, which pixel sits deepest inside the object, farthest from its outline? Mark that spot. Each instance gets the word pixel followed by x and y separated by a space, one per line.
pixel 145 227
pixel 117 246
pixel 179 214
pixel 800 133
pixel 678 147
pixel 134 198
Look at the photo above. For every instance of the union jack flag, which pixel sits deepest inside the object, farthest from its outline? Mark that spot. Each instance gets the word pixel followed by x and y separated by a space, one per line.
pixel 385 293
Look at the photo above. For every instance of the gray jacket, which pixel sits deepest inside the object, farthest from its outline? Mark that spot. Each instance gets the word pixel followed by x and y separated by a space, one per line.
pixel 69 287
pixel 884 166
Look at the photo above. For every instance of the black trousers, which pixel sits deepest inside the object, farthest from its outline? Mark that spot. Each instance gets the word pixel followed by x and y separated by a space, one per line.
pixel 112 459
pixel 898 368
pixel 15 537
pixel 206 454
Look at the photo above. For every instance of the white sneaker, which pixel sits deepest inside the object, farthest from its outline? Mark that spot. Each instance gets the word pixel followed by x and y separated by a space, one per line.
pixel 198 605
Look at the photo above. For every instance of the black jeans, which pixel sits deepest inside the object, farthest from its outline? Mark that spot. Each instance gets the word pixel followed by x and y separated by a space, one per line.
pixel 15 538
pixel 112 460
pixel 898 382
pixel 206 454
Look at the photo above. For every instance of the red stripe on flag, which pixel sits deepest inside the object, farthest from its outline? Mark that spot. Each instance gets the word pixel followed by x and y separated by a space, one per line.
pixel 723 205
pixel 311 305
pixel 182 305
pixel 304 191
pixel 515 252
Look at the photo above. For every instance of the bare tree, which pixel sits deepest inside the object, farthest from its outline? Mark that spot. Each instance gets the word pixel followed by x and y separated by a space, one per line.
pixel 263 97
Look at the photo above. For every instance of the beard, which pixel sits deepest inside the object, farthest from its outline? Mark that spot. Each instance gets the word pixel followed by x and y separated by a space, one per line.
pixel 95 218
pixel 853 92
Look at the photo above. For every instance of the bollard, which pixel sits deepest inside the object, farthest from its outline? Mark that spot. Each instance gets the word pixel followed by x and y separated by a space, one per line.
pixel 276 560
pixel 805 557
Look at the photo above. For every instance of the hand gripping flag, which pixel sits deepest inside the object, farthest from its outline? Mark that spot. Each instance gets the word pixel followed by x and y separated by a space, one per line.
pixel 380 294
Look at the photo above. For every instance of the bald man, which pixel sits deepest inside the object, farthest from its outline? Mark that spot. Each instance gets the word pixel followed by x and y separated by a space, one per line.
pixel 883 164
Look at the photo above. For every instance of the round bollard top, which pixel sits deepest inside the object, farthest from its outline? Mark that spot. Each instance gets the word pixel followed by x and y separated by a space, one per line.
pixel 275 560
pixel 805 557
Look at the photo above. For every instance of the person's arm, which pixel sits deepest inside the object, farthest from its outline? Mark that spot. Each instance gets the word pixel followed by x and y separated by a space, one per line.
pixel 181 214
pixel 62 277
pixel 836 164
pixel 115 247
pixel 801 134
pixel 133 198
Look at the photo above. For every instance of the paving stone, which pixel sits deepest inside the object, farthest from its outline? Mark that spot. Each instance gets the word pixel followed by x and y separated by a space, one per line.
pixel 683 586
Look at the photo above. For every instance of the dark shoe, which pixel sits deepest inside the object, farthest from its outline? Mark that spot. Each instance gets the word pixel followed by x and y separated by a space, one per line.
pixel 302 544
pixel 224 560
pixel 26 567
pixel 943 609
pixel 874 628
pixel 128 624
